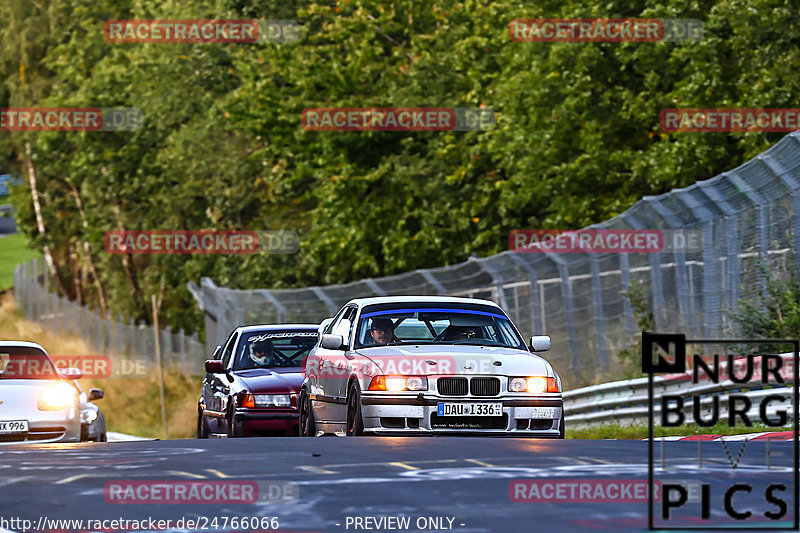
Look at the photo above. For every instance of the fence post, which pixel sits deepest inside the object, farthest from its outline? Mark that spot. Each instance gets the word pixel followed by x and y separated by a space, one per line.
pixel 157 335
pixel 182 348
pixel 198 361
pixel 625 282
pixel 599 317
pixel 711 282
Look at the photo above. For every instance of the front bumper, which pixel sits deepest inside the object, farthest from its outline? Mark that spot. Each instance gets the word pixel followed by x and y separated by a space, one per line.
pixel 47 427
pixel 255 421
pixel 405 414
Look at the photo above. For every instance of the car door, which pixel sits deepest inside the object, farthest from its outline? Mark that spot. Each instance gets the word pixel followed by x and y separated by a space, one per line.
pixel 328 364
pixel 341 369
pixel 206 392
pixel 219 383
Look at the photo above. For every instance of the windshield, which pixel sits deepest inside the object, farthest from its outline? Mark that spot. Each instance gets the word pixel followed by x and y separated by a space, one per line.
pixel 415 324
pixel 26 363
pixel 274 349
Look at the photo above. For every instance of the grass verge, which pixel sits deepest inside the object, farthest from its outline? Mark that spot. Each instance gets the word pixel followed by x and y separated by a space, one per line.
pixel 133 405
pixel 13 251
pixel 615 431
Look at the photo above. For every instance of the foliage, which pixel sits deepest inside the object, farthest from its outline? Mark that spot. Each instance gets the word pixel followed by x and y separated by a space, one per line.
pixel 630 357
pixel 616 431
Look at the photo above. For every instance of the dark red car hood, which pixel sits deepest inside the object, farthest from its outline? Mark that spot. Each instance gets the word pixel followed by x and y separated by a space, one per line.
pixel 269 381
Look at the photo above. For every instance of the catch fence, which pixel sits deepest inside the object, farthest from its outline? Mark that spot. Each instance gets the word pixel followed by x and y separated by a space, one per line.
pixel 749 219
pixel 115 339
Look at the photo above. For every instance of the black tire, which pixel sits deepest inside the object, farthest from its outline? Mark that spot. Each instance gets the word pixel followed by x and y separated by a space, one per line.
pixel 562 431
pixel 202 426
pixel 308 426
pixel 355 422
pixel 103 437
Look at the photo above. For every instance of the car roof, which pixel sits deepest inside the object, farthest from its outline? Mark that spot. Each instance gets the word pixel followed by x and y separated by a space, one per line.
pixel 21 344
pixel 418 299
pixel 278 327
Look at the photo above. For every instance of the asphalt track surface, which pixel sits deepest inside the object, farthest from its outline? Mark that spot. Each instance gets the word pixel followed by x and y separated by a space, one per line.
pixel 463 478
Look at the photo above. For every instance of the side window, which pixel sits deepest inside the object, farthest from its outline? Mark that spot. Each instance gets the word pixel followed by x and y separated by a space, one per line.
pixel 228 351
pixel 343 328
pixel 335 321
pixel 351 316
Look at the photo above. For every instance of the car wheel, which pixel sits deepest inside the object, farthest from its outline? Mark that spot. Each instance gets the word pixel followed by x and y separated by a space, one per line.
pixel 561 429
pixel 202 426
pixel 355 423
pixel 103 437
pixel 232 431
pixel 308 426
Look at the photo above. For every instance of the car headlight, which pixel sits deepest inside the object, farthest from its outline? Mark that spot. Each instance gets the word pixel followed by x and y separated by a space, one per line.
pixel 399 383
pixel 267 400
pixel 88 416
pixel 533 385
pixel 57 397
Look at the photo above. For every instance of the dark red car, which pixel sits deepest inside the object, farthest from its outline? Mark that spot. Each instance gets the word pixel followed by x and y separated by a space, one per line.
pixel 252 381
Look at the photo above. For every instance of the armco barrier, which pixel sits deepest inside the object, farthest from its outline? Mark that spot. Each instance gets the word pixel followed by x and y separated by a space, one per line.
pixel 626 402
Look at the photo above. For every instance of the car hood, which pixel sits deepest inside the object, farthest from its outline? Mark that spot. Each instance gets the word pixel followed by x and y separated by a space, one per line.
pixel 450 359
pixel 21 395
pixel 264 380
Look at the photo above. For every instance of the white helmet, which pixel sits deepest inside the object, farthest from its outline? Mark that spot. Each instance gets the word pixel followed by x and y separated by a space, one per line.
pixel 261 352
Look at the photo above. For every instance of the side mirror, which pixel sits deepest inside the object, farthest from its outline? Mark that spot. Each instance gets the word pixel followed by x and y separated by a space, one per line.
pixel 332 342
pixel 540 343
pixel 71 372
pixel 324 324
pixel 214 366
pixel 96 394
pixel 217 351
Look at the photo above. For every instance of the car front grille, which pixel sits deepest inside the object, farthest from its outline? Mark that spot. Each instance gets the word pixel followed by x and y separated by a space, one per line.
pixel 35 434
pixel 484 386
pixel 452 386
pixel 460 386
pixel 46 433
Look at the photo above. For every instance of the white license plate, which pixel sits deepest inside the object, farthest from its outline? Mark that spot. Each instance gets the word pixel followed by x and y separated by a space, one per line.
pixel 470 409
pixel 544 412
pixel 13 426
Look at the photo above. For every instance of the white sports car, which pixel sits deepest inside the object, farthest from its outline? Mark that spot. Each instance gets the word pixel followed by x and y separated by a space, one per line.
pixel 38 403
pixel 428 365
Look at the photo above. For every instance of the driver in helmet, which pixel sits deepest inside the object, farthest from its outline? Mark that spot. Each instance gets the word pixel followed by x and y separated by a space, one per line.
pixel 261 353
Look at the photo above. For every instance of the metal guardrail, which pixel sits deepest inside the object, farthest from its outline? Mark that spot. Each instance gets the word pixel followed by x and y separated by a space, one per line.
pixel 626 402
